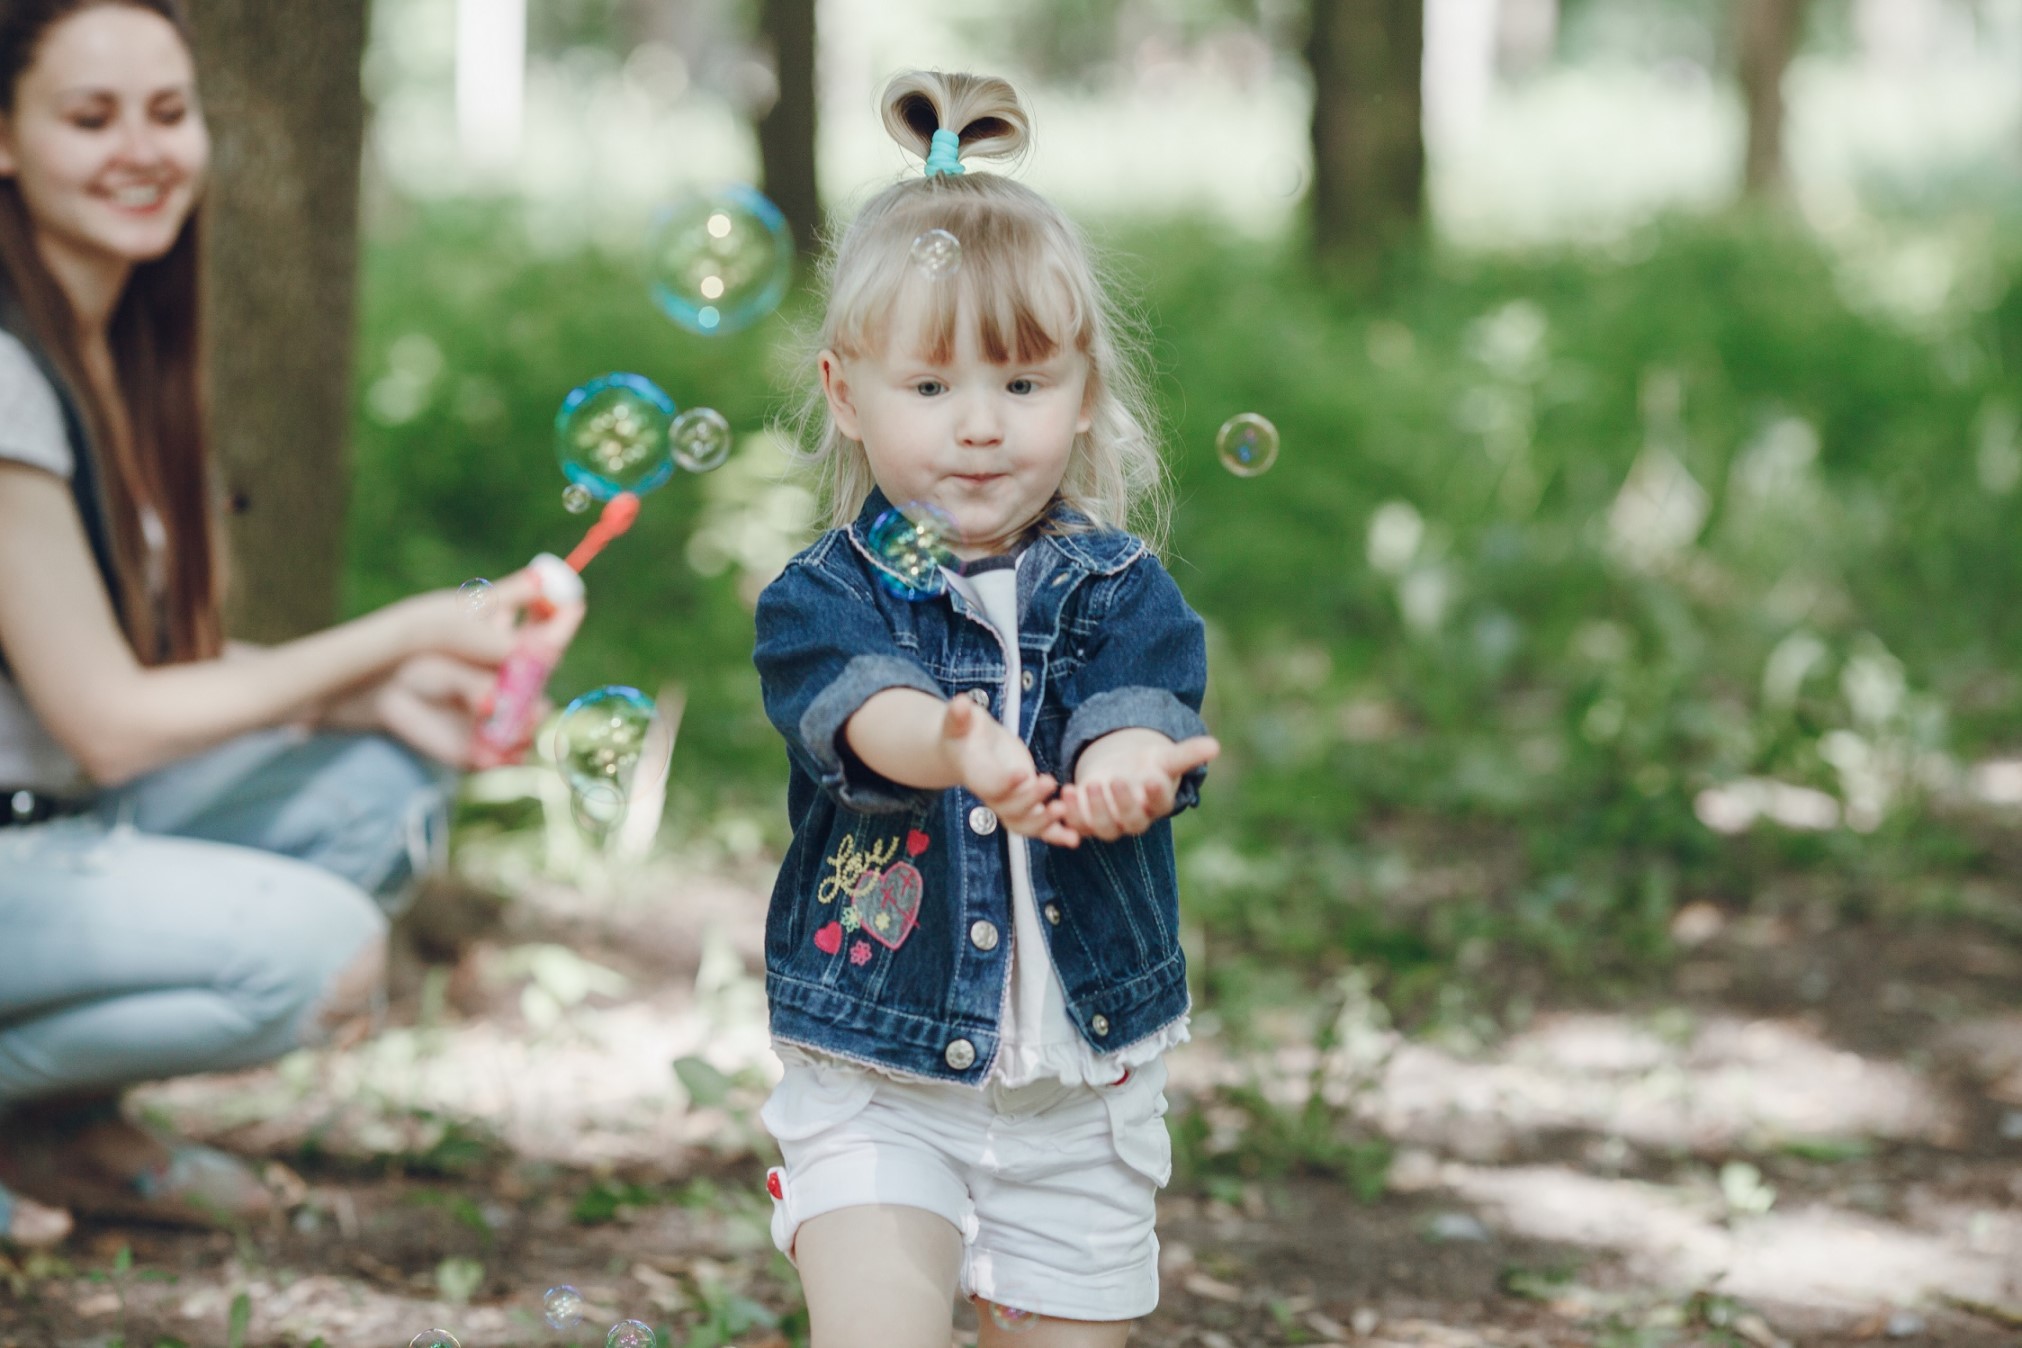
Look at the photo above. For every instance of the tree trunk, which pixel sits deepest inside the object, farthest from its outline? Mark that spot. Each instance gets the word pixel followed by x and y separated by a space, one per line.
pixel 281 89
pixel 1768 32
pixel 1368 142
pixel 786 131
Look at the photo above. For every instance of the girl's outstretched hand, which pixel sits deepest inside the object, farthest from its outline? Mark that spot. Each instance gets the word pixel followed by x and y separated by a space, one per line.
pixel 1128 780
pixel 997 768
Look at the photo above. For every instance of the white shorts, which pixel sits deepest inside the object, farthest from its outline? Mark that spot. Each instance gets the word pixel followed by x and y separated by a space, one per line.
pixel 1053 1187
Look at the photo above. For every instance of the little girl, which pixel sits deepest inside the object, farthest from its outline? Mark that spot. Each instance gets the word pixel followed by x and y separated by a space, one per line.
pixel 972 954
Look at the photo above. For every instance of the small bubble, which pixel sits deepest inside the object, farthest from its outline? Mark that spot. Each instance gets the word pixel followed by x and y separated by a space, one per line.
pixel 575 498
pixel 596 807
pixel 1010 1319
pixel 434 1338
pixel 477 596
pixel 911 543
pixel 1247 444
pixel 631 1334
pixel 563 1306
pixel 720 260
pixel 700 439
pixel 611 435
pixel 938 254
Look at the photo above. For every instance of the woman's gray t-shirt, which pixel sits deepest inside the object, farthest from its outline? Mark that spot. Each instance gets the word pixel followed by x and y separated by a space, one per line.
pixel 31 432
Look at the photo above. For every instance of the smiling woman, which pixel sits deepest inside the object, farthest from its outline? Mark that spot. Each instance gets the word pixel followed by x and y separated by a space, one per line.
pixel 198 845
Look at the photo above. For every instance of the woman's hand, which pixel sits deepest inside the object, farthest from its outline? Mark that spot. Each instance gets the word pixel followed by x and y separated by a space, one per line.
pixel 997 768
pixel 432 703
pixel 1128 780
pixel 446 622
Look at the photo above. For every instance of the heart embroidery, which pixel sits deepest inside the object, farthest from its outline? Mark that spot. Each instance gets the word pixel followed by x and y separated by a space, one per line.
pixel 889 903
pixel 828 939
pixel 916 842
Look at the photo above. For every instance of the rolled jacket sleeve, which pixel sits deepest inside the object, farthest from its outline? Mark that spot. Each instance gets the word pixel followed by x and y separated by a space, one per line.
pixel 1150 667
pixel 821 654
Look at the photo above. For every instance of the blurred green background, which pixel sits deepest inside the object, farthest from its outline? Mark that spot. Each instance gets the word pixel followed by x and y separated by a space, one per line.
pixel 1631 542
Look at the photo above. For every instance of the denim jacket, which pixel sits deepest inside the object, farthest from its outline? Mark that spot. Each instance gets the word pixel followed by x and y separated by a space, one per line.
pixel 888 939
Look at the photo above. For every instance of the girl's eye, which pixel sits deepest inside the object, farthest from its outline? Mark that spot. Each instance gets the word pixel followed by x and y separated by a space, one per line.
pixel 928 388
pixel 172 115
pixel 1022 385
pixel 90 121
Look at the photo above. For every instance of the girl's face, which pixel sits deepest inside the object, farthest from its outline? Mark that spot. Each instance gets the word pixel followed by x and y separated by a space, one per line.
pixel 106 140
pixel 988 442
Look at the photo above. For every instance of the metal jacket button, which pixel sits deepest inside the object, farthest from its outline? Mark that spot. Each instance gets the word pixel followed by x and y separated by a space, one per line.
pixel 1100 1024
pixel 983 935
pixel 1026 680
pixel 961 1055
pixel 1053 913
pixel 983 820
pixel 980 696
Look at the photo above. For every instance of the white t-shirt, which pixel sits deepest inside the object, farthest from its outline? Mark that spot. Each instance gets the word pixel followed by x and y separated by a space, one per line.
pixel 31 432
pixel 1037 1041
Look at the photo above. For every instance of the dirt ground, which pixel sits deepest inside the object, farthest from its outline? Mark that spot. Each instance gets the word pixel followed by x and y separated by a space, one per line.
pixel 1810 1136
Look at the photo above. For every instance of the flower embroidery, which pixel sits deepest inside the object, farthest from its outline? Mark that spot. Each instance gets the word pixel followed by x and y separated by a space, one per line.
pixel 860 953
pixel 851 919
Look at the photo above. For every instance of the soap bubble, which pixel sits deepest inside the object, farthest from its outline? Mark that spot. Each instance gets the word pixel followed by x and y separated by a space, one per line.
pixel 563 1306
pixel 600 735
pixel 911 545
pixel 1247 444
pixel 611 435
pixel 937 254
pixel 576 498
pixel 700 439
pixel 720 260
pixel 434 1338
pixel 596 807
pixel 631 1334
pixel 1010 1319
pixel 477 596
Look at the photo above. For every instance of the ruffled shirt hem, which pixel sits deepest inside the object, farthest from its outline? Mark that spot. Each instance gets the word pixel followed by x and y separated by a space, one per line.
pixel 1019 1065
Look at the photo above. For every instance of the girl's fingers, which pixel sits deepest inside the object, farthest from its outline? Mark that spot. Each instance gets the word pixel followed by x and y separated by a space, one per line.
pixel 1101 814
pixel 959 719
pixel 1189 754
pixel 1060 835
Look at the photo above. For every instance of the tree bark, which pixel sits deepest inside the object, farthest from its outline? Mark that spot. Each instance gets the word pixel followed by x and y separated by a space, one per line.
pixel 281 90
pixel 1368 141
pixel 786 131
pixel 1768 33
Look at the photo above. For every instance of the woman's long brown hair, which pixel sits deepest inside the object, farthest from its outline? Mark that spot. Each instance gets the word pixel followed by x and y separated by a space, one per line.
pixel 156 336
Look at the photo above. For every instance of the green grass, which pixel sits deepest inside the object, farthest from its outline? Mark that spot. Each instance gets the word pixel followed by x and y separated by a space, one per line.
pixel 1516 776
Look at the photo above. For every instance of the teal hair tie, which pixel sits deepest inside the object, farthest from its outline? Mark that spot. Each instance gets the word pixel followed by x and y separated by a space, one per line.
pixel 946 154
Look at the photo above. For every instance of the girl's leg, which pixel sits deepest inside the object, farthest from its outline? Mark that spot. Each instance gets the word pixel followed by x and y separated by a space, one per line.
pixel 361 807
pixel 1046 1332
pixel 879 1276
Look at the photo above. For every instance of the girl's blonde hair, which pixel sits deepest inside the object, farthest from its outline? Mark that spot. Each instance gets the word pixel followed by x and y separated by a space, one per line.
pixel 1027 283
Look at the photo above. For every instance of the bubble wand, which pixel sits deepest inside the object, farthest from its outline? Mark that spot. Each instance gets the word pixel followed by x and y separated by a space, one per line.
pixel 555 613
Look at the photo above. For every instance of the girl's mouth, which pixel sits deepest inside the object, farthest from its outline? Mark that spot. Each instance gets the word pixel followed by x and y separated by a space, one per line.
pixel 138 198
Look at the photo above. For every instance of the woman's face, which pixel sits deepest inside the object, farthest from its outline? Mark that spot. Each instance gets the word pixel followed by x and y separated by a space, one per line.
pixel 106 139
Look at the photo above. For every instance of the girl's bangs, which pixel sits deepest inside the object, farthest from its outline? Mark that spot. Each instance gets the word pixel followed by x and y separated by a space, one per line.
pixel 1019 301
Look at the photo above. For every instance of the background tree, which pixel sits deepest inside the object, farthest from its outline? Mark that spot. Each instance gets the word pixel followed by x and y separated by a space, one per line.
pixel 786 130
pixel 281 83
pixel 1368 141
pixel 1766 35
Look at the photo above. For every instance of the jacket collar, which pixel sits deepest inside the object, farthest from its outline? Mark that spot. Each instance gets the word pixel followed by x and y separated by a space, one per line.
pixel 1077 543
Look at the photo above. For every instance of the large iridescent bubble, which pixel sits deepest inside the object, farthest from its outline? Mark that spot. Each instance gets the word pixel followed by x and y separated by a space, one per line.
pixel 611 435
pixel 720 260
pixel 700 439
pixel 911 545
pixel 599 738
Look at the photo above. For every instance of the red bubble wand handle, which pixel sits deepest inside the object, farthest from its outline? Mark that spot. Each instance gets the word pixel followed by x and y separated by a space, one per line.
pixel 553 617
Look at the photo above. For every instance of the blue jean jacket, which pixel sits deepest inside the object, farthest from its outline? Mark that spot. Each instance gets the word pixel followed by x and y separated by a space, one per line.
pixel 888 939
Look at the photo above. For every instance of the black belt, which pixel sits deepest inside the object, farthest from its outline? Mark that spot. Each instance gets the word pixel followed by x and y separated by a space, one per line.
pixel 23 805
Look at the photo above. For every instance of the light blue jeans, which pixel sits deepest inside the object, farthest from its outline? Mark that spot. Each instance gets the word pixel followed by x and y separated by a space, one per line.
pixel 212 915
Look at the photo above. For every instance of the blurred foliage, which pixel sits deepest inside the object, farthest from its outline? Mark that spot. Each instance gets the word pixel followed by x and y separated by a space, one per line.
pixel 1469 684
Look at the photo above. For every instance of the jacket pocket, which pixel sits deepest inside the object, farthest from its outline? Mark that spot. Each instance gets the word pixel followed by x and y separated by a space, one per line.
pixel 813 1096
pixel 1137 1108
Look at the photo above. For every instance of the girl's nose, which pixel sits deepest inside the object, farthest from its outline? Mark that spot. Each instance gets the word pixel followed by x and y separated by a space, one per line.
pixel 140 142
pixel 979 424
